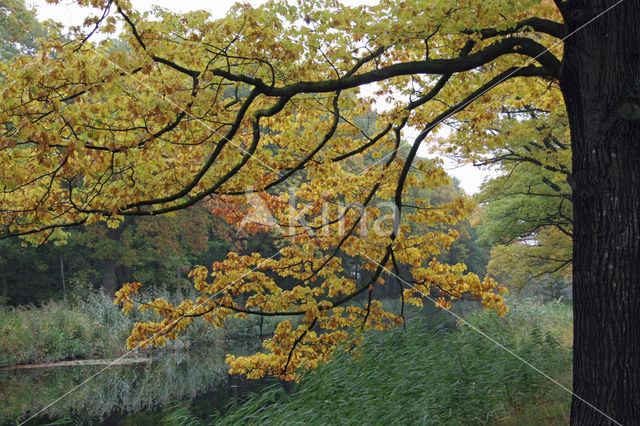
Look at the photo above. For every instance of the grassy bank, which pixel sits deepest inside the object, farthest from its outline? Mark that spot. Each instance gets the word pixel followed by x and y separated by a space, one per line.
pixel 89 325
pixel 432 373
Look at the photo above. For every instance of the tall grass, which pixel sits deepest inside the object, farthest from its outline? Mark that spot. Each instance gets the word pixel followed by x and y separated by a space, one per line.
pixel 89 325
pixel 430 375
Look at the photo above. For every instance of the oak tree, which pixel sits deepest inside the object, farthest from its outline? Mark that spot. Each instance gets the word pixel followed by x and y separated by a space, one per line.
pixel 184 108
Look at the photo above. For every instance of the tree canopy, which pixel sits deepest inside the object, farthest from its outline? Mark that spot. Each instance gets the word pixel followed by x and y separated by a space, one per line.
pixel 19 29
pixel 527 210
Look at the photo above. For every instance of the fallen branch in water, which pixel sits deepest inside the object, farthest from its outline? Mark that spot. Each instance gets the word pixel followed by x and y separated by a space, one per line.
pixel 81 362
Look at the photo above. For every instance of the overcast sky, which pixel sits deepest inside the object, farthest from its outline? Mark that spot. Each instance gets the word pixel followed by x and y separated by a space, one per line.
pixel 70 14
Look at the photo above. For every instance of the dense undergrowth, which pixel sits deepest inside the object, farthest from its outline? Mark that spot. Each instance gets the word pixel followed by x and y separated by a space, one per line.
pixel 89 325
pixel 437 371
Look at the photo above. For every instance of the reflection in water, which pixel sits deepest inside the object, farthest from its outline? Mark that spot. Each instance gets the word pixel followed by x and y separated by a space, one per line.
pixel 198 374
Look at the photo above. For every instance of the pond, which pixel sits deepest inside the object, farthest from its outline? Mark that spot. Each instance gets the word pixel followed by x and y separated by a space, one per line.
pixel 133 394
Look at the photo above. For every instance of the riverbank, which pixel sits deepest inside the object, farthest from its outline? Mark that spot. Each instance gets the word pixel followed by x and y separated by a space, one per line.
pixel 432 373
pixel 85 327
pixel 80 363
pixel 437 371
pixel 123 394
pixel 90 326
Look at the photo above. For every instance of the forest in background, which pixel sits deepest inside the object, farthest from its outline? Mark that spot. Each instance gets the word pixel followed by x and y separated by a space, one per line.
pixel 523 216
pixel 160 252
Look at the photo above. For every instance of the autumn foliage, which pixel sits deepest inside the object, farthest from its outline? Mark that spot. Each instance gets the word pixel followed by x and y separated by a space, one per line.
pixel 260 115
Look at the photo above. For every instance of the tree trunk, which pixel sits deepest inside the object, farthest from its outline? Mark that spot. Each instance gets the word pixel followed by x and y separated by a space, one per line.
pixel 62 280
pixel 4 281
pixel 600 80
pixel 109 278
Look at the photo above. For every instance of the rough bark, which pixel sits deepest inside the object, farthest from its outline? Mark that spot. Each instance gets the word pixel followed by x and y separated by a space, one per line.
pixel 62 280
pixel 600 80
pixel 109 276
pixel 3 280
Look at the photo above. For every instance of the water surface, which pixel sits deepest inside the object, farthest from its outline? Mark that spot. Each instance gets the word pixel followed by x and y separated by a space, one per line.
pixel 127 394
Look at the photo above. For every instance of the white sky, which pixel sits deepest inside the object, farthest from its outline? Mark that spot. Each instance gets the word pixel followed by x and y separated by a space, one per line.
pixel 70 14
